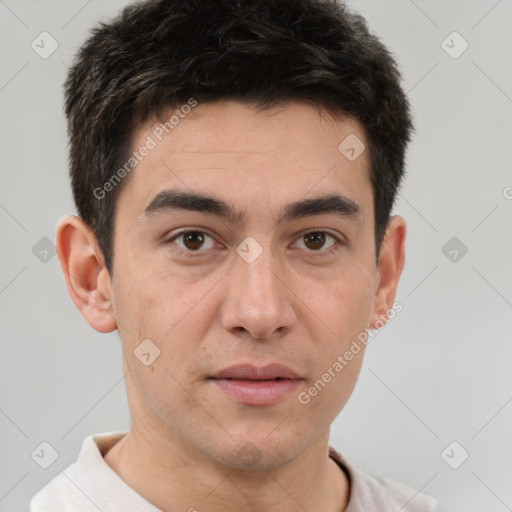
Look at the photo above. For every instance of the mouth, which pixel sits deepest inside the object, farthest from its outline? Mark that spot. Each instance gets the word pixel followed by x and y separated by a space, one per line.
pixel 251 372
pixel 250 385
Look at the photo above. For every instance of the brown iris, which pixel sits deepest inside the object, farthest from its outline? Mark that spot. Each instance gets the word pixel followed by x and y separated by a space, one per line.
pixel 317 240
pixel 193 240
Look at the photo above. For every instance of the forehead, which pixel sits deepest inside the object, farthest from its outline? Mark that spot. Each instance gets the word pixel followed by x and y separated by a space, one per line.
pixel 256 158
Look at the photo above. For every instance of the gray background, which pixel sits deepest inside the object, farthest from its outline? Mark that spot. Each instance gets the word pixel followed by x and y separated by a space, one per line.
pixel 439 372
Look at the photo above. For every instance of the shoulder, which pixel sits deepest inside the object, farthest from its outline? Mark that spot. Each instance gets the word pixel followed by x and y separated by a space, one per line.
pixel 368 492
pixel 87 484
pixel 61 494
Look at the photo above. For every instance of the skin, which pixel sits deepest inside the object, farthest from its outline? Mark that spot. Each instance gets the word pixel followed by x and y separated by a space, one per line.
pixel 296 304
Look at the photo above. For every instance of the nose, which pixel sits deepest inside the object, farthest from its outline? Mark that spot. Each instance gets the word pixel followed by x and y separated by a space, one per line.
pixel 259 301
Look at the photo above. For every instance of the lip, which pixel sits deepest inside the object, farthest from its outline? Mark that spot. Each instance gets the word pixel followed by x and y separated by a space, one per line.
pixel 251 385
pixel 251 372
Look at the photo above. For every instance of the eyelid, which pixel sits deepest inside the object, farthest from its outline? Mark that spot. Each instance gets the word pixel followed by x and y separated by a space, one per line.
pixel 340 241
pixel 170 239
pixel 337 236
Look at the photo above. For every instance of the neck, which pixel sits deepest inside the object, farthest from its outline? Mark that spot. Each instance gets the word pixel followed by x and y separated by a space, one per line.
pixel 174 476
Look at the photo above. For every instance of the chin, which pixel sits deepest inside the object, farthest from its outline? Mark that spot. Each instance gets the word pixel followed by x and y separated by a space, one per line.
pixel 261 451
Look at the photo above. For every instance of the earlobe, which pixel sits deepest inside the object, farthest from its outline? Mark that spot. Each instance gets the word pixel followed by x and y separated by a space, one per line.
pixel 391 264
pixel 85 273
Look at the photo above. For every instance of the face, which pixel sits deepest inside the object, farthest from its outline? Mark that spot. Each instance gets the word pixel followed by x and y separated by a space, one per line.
pixel 275 265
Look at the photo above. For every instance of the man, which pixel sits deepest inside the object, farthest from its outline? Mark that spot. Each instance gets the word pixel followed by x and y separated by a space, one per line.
pixel 234 166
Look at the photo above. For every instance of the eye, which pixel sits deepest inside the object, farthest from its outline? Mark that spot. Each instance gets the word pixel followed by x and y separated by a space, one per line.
pixel 195 241
pixel 192 241
pixel 316 240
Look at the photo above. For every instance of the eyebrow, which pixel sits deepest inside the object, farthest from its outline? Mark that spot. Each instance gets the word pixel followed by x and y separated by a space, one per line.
pixel 173 200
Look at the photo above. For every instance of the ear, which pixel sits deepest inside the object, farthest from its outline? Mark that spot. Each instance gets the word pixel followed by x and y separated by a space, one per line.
pixel 390 266
pixel 86 276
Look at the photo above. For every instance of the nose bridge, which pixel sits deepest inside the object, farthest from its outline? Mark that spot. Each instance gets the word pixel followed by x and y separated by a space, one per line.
pixel 257 267
pixel 257 300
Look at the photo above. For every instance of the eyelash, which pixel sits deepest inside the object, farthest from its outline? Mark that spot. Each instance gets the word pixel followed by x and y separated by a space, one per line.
pixel 339 243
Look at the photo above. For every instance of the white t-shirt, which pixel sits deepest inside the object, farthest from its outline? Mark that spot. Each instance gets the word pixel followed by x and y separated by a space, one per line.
pixel 90 484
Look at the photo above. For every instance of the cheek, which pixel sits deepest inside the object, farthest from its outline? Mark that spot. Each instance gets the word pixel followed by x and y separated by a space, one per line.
pixel 338 313
pixel 150 298
pixel 156 307
pixel 343 304
pixel 171 310
pixel 327 394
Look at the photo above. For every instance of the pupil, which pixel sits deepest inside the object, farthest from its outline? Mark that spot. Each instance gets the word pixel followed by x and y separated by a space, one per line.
pixel 193 240
pixel 318 239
